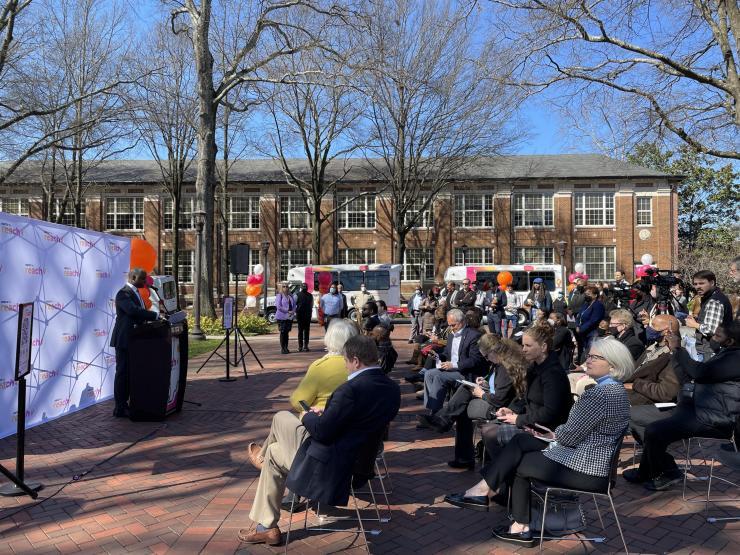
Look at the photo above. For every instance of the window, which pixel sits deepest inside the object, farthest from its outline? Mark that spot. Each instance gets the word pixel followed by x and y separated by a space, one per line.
pixel 290 258
pixel 474 211
pixel 533 210
pixel 68 217
pixel 534 255
pixel 378 280
pixel 356 256
pixel 359 213
pixel 187 207
pixel 184 265
pixel 644 211
pixel 473 256
pixel 293 213
pixel 124 213
pixel 17 206
pixel 594 209
pixel 427 216
pixel 244 212
pixel 412 262
pixel 599 261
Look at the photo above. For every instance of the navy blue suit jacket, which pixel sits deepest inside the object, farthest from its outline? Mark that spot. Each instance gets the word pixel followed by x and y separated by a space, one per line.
pixel 356 413
pixel 469 362
pixel 129 312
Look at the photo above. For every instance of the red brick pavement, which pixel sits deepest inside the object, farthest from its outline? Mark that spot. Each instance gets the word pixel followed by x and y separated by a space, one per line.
pixel 185 486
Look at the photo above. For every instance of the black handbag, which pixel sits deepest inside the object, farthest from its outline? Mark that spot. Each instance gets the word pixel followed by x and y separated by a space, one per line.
pixel 564 514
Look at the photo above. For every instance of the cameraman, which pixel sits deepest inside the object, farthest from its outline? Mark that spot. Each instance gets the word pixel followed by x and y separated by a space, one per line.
pixel 621 289
pixel 715 310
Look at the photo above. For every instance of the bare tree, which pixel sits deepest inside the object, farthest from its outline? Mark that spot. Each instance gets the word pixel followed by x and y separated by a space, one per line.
pixel 265 42
pixel 165 112
pixel 673 62
pixel 437 103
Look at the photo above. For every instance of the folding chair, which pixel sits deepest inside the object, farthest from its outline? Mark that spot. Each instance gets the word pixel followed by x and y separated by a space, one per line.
pixel 729 461
pixel 614 465
pixel 687 467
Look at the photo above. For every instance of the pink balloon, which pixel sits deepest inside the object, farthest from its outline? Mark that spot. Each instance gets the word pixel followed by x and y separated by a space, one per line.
pixel 149 281
pixel 641 271
pixel 252 279
pixel 572 278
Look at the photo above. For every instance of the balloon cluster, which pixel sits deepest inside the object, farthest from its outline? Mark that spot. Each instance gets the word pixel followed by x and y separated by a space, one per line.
pixel 504 279
pixel 143 256
pixel 580 273
pixel 647 264
pixel 255 282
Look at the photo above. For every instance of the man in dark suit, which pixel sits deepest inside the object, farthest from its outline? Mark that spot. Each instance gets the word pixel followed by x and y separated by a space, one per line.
pixel 320 466
pixel 130 311
pixel 460 360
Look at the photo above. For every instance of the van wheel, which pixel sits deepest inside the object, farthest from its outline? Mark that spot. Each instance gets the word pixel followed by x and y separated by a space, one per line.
pixel 351 314
pixel 522 318
pixel 271 315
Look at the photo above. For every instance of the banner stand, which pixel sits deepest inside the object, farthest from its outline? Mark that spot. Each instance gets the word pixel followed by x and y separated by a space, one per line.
pixel 22 369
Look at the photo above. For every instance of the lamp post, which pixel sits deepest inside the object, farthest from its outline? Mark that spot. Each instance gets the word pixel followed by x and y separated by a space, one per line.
pixel 561 249
pixel 423 272
pixel 265 249
pixel 200 222
pixel 464 250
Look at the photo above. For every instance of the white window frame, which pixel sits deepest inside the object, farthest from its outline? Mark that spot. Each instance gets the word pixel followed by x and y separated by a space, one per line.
pixel 137 214
pixel 356 256
pixel 474 255
pixel 427 217
pixel 288 260
pixel 187 209
pixel 462 214
pixel 69 218
pixel 293 208
pixel 521 210
pixel 251 214
pixel 16 206
pixel 167 257
pixel 601 269
pixel 644 212
pixel 581 211
pixel 546 255
pixel 352 210
pixel 428 258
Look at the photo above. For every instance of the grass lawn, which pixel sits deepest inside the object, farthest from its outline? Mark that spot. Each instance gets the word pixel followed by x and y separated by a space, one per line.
pixel 196 348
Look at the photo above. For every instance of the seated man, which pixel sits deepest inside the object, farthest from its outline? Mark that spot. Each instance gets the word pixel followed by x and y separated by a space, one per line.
pixel 707 409
pixel 461 359
pixel 320 467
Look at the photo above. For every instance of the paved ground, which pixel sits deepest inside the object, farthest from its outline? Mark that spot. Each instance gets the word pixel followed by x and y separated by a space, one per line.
pixel 184 486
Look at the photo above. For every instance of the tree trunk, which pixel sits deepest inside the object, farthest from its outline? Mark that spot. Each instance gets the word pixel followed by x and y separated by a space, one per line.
pixel 400 249
pixel 176 203
pixel 316 235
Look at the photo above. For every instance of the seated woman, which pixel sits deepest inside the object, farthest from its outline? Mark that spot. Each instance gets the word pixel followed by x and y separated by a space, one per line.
pixel 576 455
pixel 547 399
pixel 707 409
pixel 505 383
pixel 322 378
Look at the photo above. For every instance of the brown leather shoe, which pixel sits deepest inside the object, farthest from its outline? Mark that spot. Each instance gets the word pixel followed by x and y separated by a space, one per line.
pixel 271 536
pixel 253 453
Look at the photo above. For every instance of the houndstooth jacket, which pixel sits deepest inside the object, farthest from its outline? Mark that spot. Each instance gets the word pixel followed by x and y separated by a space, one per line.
pixel 595 424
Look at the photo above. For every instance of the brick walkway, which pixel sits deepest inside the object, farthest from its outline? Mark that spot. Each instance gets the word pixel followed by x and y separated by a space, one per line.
pixel 185 486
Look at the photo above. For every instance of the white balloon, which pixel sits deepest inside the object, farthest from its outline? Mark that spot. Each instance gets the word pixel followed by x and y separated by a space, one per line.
pixel 258 269
pixel 580 268
pixel 647 259
pixel 251 302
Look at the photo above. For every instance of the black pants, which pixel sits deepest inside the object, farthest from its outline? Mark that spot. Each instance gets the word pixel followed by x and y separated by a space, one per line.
pixel 522 461
pixel 328 318
pixel 681 424
pixel 463 408
pixel 303 328
pixel 284 326
pixel 121 384
pixel 641 416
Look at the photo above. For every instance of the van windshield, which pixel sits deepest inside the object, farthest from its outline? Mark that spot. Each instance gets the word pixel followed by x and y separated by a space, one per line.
pixel 522 280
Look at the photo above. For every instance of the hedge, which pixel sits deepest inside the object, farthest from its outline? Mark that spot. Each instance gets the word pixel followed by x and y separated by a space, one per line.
pixel 250 324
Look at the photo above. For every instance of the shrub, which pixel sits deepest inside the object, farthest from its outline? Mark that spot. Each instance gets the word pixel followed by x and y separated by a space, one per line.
pixel 250 324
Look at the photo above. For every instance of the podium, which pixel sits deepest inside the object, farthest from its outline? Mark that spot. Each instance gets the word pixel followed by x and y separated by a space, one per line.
pixel 158 367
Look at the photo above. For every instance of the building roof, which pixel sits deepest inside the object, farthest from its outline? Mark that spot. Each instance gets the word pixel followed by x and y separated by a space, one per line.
pixel 505 168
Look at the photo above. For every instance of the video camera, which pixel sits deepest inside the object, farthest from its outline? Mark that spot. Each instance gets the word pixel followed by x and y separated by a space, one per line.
pixel 663 280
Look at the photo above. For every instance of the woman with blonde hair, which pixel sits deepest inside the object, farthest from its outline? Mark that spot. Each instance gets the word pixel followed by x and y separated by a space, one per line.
pixel 505 383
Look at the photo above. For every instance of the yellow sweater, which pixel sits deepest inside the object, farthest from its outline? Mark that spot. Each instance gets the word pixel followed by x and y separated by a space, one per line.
pixel 321 379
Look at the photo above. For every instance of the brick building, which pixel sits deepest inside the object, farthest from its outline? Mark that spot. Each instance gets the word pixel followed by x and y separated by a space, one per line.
pixel 511 209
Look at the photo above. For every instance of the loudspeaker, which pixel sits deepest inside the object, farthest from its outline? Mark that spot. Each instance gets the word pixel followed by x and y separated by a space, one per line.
pixel 239 258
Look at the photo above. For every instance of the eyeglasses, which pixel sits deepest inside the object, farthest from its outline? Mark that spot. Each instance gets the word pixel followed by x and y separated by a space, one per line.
pixel 595 357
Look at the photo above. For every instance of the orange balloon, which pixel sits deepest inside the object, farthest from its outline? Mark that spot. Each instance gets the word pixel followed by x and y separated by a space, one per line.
pixel 145 296
pixel 143 255
pixel 254 289
pixel 504 278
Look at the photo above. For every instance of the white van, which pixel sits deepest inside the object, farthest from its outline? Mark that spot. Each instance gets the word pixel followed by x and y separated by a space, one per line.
pixel 382 280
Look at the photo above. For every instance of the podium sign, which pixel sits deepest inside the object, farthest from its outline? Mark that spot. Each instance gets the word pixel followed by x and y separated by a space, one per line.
pixel 228 313
pixel 23 345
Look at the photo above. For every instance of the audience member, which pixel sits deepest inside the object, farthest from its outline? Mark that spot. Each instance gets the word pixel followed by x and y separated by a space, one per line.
pixel 370 317
pixel 428 307
pixel 303 315
pixel 387 353
pixel 448 298
pixel 708 405
pixel 359 301
pixel 414 308
pixel 558 305
pixel 715 310
pixel 562 340
pixel 383 316
pixel 466 297
pixel 579 456
pixel 285 306
pixel 621 326
pixel 319 466
pixel 345 305
pixel 588 320
pixel 331 305
pixel 513 304
pixel 539 297
pixel 460 359
pixel 497 311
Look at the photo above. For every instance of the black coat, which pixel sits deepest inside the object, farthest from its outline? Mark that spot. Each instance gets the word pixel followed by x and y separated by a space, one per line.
pixel 304 306
pixel 387 355
pixel 470 362
pixel 504 392
pixel 356 413
pixel 632 342
pixel 129 313
pixel 548 398
pixel 562 345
